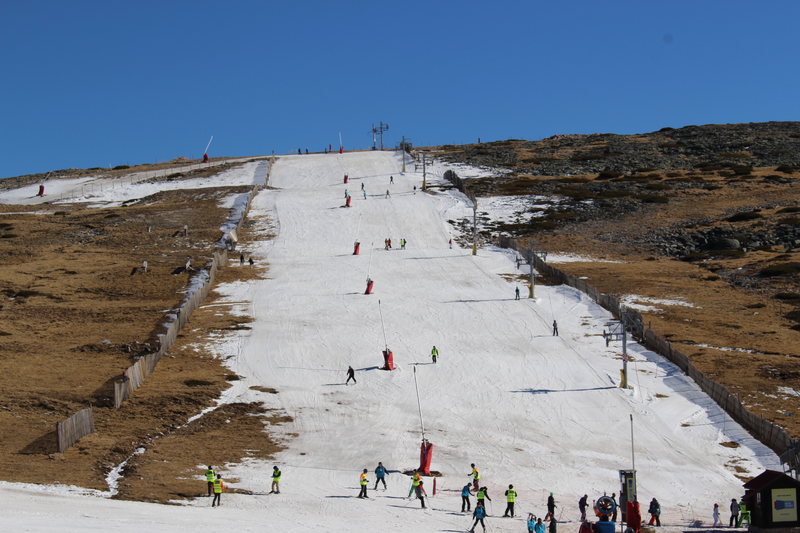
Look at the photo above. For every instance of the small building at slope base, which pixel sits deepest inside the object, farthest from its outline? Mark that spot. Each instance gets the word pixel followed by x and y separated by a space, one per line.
pixel 771 497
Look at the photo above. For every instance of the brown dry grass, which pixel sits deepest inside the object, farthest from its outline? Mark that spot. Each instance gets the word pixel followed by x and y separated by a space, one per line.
pixel 68 288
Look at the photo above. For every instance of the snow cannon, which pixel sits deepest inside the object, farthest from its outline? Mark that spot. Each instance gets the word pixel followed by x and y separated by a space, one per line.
pixel 388 360
pixel 205 158
pixel 604 508
pixel 425 456
pixel 345 178
pixel 369 286
pixel 347 201
pixel 356 248
pixel 41 191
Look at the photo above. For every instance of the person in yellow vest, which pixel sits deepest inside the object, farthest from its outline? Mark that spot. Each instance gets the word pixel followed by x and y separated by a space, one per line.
pixel 210 475
pixel 218 486
pixel 476 476
pixel 415 481
pixel 434 354
pixel 363 481
pixel 511 497
pixel 276 479
pixel 483 494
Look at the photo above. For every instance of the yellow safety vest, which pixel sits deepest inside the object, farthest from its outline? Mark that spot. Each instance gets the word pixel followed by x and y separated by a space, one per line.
pixel 475 474
pixel 210 475
pixel 511 495
pixel 481 495
pixel 363 479
pixel 218 486
pixel 415 480
pixel 276 475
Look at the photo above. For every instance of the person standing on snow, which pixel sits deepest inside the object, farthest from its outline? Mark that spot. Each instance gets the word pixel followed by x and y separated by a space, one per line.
pixel 218 486
pixel 516 293
pixel 552 528
pixel 531 522
pixel 210 476
pixel 465 494
pixel 555 328
pixel 479 514
pixel 351 374
pixel 539 527
pixel 582 506
pixel 391 180
pixel 420 490
pixel 415 481
pixel 734 513
pixel 551 507
pixel 616 506
pixel 434 354
pixel 511 497
pixel 717 523
pixel 362 480
pixel 365 194
pixel 380 476
pixel 483 492
pixel 362 185
pixel 476 476
pixel 387 193
pixel 276 481
pixel 655 512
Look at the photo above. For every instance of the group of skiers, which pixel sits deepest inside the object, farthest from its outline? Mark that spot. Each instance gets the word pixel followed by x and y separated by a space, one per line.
pixel 739 511
pixel 387 244
pixel 216 486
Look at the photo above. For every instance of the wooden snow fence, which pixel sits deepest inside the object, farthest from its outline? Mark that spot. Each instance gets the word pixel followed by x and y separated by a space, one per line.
pixel 139 371
pixel 73 428
pixel 768 433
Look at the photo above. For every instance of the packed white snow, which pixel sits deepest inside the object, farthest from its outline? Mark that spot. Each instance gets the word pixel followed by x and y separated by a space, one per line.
pixel 104 191
pixel 574 258
pixel 438 167
pixel 540 411
pixel 647 303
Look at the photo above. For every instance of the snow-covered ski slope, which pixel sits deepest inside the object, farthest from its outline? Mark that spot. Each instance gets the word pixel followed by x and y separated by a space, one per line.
pixel 541 412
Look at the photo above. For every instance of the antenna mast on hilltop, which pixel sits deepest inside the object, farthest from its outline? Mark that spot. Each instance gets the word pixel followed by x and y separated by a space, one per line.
pixel 378 131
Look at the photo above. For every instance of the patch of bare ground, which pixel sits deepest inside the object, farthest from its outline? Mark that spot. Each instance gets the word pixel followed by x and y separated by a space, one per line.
pixel 74 312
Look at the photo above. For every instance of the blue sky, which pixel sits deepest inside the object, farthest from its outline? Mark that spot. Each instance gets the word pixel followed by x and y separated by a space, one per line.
pixel 98 83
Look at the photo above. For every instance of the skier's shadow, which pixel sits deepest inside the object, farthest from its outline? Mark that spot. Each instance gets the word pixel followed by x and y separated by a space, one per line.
pixel 367 368
pixel 418 364
pixel 548 391
pixel 477 301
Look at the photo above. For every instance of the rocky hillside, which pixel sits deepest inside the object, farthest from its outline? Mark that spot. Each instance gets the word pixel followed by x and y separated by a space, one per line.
pixel 692 147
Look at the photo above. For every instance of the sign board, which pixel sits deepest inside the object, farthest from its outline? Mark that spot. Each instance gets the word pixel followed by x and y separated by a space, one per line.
pixel 784 505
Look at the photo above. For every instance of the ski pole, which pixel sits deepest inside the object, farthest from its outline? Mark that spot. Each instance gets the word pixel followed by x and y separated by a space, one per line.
pixel 385 342
pixel 369 264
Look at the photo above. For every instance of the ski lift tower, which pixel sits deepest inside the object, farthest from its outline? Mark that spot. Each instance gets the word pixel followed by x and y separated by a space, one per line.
pixel 378 131
pixel 615 332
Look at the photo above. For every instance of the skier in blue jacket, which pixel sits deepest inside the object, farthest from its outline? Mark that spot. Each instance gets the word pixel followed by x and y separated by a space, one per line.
pixel 479 514
pixel 465 494
pixel 380 476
